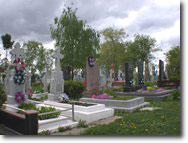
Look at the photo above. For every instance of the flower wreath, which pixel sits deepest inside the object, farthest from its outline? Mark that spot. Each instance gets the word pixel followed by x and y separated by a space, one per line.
pixel 20 76
pixel 19 65
pixel 20 97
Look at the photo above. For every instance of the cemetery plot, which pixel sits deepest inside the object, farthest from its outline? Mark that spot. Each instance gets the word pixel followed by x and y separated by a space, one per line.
pixel 127 105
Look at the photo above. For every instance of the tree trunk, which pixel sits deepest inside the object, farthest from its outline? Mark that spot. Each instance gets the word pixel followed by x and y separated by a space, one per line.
pixel 72 73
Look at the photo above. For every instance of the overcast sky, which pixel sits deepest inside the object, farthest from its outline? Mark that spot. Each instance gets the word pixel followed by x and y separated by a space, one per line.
pixel 30 19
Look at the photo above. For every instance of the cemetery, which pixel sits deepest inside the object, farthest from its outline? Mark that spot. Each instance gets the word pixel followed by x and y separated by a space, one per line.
pixel 92 85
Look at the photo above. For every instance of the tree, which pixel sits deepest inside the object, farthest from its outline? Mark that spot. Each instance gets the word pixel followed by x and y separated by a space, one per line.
pixel 35 56
pixel 173 63
pixel 7 43
pixel 113 49
pixel 76 40
pixel 140 49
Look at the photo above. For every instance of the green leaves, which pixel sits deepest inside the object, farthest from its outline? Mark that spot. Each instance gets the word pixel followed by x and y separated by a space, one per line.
pixel 112 50
pixel 76 40
pixel 6 40
pixel 140 49
pixel 35 56
pixel 173 63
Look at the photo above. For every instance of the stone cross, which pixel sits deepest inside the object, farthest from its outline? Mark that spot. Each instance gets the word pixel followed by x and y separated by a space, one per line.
pixel 17 52
pixel 58 56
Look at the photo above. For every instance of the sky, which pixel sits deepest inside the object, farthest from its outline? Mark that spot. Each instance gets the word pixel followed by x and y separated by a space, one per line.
pixel 31 19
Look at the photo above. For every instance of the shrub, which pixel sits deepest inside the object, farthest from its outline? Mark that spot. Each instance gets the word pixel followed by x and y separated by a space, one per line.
pixel 3 96
pixel 27 106
pixel 43 109
pixel 150 88
pixel 150 84
pixel 37 88
pixel 82 124
pixel 48 116
pixel 74 89
pixel 176 95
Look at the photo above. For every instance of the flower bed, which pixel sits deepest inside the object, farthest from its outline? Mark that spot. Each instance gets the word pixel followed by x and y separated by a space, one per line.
pixel 43 109
pixel 151 90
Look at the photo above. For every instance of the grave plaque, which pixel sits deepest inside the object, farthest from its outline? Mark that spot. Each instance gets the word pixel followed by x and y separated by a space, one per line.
pixel 92 74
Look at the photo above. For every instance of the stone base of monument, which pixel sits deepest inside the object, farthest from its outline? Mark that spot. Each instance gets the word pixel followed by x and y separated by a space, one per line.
pixel 156 96
pixel 54 97
pixel 55 123
pixel 127 105
pixel 39 95
pixel 11 101
pixel 89 113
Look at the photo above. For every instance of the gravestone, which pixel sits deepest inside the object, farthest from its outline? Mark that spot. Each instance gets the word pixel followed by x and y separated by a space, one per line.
pixel 57 82
pixel 153 73
pixel 128 76
pixel 161 70
pixel 46 77
pixel 17 77
pixel 92 75
pixel 147 72
pixel 140 74
pixel 103 77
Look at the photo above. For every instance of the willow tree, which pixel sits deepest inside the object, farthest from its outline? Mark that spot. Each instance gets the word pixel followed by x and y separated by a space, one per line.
pixel 76 40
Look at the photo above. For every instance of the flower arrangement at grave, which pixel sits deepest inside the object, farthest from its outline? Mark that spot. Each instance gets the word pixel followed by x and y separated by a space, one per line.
pixel 101 96
pixel 20 74
pixel 19 78
pixel 20 97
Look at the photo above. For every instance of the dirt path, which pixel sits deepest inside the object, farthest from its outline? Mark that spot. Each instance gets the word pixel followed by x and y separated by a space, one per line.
pixel 78 131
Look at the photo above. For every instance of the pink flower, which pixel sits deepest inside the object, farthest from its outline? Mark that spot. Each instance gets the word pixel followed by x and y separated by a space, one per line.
pixel 20 97
pixel 94 96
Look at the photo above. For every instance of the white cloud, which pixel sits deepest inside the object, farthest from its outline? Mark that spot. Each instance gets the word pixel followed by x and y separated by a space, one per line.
pixel 30 21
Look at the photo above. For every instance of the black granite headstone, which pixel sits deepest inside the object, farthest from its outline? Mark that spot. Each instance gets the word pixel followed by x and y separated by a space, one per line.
pixel 140 74
pixel 128 77
pixel 161 70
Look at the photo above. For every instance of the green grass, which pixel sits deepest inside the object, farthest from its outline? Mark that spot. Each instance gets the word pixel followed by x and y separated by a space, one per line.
pixel 164 122
pixel 123 98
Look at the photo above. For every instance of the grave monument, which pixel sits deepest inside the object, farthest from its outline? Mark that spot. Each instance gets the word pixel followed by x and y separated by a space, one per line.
pixel 92 75
pixel 57 82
